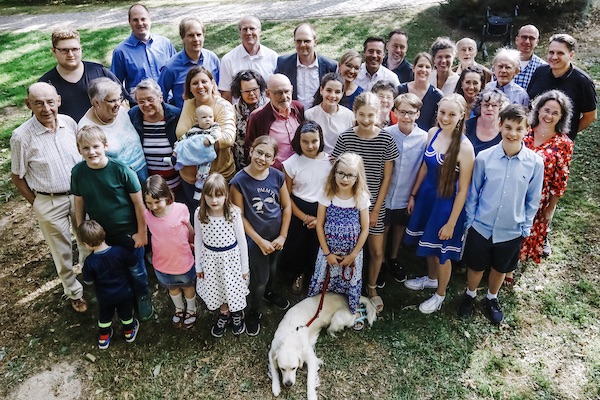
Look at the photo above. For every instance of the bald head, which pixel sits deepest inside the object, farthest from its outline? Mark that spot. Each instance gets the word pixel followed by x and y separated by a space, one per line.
pixel 279 91
pixel 527 40
pixel 43 100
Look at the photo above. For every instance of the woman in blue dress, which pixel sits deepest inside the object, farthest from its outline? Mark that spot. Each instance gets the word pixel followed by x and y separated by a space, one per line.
pixel 437 200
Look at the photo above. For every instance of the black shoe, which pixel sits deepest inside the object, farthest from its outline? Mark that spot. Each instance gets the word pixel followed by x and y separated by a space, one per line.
pixel 277 300
pixel 218 329
pixel 493 310
pixel 252 323
pixel 237 327
pixel 466 306
pixel 381 278
pixel 397 271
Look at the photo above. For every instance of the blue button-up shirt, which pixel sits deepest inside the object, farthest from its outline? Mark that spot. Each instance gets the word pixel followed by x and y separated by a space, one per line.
pixel 134 60
pixel 172 76
pixel 505 193
pixel 515 93
pixel 524 76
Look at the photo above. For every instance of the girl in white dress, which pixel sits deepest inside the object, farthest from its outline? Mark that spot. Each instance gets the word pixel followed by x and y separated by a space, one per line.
pixel 221 256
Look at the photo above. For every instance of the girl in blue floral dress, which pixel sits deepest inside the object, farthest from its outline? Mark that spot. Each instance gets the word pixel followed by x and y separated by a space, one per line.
pixel 343 228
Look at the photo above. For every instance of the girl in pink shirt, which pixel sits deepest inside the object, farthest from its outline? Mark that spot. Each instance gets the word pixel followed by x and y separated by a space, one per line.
pixel 172 242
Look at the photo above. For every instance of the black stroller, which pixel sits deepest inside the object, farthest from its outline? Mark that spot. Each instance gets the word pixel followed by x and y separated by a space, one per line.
pixel 498 26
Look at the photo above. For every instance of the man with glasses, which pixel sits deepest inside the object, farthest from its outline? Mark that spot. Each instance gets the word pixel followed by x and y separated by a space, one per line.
pixel 43 152
pixel 71 76
pixel 248 55
pixel 527 40
pixel 142 54
pixel 305 68
pixel 279 118
pixel 505 67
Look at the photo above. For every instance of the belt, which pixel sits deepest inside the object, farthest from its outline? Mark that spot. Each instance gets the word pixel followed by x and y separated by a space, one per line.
pixel 219 249
pixel 54 194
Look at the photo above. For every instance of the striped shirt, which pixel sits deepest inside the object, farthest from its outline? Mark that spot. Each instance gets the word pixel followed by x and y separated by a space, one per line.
pixel 156 148
pixel 45 158
pixel 374 152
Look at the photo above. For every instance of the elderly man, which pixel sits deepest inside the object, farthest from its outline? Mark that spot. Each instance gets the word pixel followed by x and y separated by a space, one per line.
pixel 43 152
pixel 561 74
pixel 527 40
pixel 395 60
pixel 371 71
pixel 505 66
pixel 71 76
pixel 172 76
pixel 248 55
pixel 305 68
pixel 279 118
pixel 142 54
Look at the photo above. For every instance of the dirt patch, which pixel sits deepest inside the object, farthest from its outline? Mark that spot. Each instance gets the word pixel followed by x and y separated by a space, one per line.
pixel 59 383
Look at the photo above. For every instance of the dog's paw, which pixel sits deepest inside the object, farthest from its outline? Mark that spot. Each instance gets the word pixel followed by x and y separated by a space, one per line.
pixel 276 389
pixel 312 395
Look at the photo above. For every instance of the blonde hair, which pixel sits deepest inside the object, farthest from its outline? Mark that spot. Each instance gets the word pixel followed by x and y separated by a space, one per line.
pixel 447 177
pixel 360 188
pixel 215 185
pixel 64 34
pixel 89 134
pixel 366 99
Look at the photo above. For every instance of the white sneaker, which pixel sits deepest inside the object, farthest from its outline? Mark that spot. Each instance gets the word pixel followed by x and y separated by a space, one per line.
pixel 433 304
pixel 420 283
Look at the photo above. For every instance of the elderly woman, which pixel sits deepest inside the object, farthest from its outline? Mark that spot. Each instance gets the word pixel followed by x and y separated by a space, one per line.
pixel 469 86
pixel 483 130
pixel 550 120
pixel 386 93
pixel 107 113
pixel 155 122
pixel 348 68
pixel 172 76
pixel 442 51
pixel 201 90
pixel 466 50
pixel 506 65
pixel 249 87
pixel 425 91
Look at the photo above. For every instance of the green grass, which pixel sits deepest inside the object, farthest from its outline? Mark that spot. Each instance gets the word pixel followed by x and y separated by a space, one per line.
pixel 548 347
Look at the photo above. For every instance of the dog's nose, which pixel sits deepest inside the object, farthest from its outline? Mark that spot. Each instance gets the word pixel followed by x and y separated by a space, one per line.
pixel 288 383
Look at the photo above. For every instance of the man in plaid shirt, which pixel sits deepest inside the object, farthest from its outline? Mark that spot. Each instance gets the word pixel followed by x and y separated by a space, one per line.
pixel 527 40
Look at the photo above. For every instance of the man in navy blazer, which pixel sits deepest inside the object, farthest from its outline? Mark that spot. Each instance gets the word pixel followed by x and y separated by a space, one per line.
pixel 305 68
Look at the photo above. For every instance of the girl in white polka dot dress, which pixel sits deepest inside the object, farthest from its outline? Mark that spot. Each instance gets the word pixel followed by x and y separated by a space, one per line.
pixel 221 256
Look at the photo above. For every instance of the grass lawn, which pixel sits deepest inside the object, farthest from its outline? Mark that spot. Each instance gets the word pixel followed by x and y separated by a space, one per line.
pixel 547 348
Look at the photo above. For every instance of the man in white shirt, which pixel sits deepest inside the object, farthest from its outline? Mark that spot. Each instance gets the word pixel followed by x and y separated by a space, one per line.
pixel 371 71
pixel 248 55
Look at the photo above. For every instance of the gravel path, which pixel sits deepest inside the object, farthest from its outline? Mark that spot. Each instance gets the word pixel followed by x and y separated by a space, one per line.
pixel 209 11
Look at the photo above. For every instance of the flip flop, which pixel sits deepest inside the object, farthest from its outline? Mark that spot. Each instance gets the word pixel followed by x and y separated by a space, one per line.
pixel 359 322
pixel 377 303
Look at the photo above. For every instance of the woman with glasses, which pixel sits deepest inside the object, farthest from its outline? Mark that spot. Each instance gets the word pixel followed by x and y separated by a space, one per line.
pixel 108 113
pixel 483 130
pixel 348 68
pixel 249 87
pixel 155 122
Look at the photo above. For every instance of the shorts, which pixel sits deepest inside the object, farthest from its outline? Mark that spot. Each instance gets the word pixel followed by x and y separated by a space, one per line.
pixel 174 281
pixel 396 217
pixel 378 228
pixel 480 253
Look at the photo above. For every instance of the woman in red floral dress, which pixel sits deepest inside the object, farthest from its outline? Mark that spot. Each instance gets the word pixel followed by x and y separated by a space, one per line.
pixel 550 116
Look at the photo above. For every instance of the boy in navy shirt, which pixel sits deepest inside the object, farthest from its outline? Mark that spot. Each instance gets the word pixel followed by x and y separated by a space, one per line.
pixel 503 199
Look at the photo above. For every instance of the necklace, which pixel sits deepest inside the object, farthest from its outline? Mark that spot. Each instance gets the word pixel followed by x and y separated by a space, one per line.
pixel 100 119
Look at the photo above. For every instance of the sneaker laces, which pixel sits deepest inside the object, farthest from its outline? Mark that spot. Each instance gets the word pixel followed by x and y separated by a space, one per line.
pixel 237 318
pixel 222 321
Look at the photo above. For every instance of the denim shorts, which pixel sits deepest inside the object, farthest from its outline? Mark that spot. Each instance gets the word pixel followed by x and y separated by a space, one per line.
pixel 171 281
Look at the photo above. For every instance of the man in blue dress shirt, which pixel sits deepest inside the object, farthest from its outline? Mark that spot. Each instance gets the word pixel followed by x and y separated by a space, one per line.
pixel 142 54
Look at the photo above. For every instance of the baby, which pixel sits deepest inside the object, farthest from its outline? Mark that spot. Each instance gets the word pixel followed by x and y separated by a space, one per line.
pixel 195 148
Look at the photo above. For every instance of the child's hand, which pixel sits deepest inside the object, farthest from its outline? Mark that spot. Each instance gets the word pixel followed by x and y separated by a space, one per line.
pixel 278 242
pixel 200 275
pixel 266 247
pixel 446 232
pixel 346 261
pixel 333 259
pixel 192 246
pixel 373 216
pixel 140 239
pixel 245 276
pixel 311 222
pixel 411 205
pixel 206 142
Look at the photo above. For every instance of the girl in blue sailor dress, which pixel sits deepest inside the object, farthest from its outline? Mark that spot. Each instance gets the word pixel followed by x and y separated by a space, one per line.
pixel 437 199
pixel 342 229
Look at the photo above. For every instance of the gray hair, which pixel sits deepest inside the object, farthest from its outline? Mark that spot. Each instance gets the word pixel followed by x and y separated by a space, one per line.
pixel 147 84
pixel 100 87
pixel 441 43
pixel 490 95
pixel 513 55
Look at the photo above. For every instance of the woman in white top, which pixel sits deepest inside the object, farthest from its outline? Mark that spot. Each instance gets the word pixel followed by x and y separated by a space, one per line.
pixel 327 112
pixel 443 51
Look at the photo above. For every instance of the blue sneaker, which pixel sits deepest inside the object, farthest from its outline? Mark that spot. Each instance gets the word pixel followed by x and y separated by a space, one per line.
pixel 131 334
pixel 104 340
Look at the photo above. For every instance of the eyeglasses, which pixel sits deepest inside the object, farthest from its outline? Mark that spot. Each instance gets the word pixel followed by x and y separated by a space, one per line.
pixel 352 67
pixel 256 89
pixel 490 105
pixel 114 101
pixel 279 93
pixel 343 175
pixel 547 111
pixel 504 66
pixel 73 50
pixel 260 153
pixel 40 103
pixel 530 38
pixel 404 113
pixel 148 101
pixel 384 97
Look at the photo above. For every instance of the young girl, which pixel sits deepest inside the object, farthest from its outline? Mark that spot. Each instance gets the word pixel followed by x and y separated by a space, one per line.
pixel 221 256
pixel 260 192
pixel 172 237
pixel 327 111
pixel 305 176
pixel 437 200
pixel 378 151
pixel 343 228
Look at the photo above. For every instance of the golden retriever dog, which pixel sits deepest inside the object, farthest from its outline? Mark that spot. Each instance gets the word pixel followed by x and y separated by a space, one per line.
pixel 294 343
